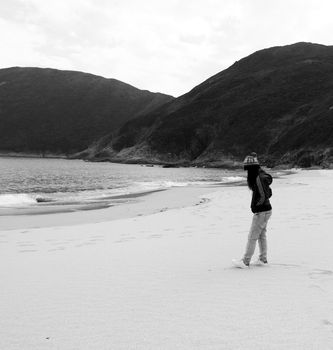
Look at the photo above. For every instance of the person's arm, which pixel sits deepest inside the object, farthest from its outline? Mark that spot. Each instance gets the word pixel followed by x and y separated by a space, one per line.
pixel 261 191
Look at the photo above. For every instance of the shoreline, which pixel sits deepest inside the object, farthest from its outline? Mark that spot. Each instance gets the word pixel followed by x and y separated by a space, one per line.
pixel 123 207
pixel 32 155
pixel 142 204
pixel 47 206
pixel 217 164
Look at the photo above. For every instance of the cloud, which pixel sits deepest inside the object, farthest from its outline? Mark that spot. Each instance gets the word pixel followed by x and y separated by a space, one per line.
pixel 168 46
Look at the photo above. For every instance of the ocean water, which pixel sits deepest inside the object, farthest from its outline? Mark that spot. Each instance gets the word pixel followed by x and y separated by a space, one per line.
pixel 35 183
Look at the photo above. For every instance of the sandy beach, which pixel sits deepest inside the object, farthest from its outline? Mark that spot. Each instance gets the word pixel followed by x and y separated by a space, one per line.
pixel 156 273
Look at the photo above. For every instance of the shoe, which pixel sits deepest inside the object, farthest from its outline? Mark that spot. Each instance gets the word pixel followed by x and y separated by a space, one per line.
pixel 260 262
pixel 240 264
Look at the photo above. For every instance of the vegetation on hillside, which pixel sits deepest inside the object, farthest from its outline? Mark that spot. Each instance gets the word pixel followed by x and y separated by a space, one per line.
pixel 277 102
pixel 48 110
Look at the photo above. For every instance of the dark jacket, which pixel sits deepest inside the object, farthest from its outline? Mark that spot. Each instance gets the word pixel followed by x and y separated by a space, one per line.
pixel 261 193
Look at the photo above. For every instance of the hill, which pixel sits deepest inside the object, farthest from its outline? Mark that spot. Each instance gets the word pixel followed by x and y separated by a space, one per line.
pixel 53 111
pixel 277 102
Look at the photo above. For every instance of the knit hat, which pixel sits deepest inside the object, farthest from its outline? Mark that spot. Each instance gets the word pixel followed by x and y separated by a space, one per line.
pixel 250 160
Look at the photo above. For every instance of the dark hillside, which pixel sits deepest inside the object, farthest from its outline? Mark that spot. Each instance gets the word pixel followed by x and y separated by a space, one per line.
pixel 47 110
pixel 277 102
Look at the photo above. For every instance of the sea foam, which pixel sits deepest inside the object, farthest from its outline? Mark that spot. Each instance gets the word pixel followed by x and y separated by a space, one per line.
pixel 17 200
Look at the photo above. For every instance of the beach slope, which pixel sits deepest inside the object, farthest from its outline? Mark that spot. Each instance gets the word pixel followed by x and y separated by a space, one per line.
pixel 165 281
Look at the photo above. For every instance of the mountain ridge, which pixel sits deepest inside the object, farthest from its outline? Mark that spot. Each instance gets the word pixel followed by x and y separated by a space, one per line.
pixel 277 102
pixel 45 110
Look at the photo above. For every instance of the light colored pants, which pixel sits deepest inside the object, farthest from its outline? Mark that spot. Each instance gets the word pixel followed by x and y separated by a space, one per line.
pixel 257 233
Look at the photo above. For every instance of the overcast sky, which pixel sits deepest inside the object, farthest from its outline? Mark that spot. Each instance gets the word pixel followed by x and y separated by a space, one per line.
pixel 168 46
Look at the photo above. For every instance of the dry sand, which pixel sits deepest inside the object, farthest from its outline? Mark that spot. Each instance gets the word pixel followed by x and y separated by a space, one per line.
pixel 165 281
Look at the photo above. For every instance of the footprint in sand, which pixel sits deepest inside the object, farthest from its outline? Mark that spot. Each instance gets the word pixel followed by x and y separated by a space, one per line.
pixel 155 236
pixel 319 273
pixel 328 324
pixel 185 236
pixel 56 243
pixel 125 239
pixel 28 251
pixel 55 249
pixel 285 265
pixel 322 277
pixel 23 244
pixel 83 244
pixel 97 239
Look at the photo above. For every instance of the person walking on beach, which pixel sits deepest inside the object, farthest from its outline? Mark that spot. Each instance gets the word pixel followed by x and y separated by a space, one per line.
pixel 258 182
